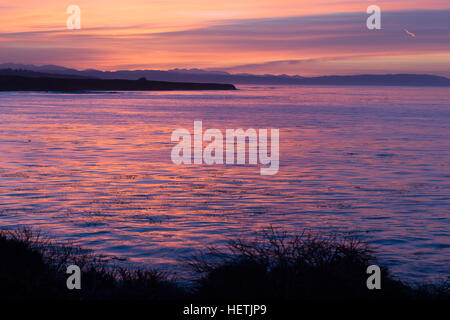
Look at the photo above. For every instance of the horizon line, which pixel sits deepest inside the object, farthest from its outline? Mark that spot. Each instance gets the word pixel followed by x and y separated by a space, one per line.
pixel 204 71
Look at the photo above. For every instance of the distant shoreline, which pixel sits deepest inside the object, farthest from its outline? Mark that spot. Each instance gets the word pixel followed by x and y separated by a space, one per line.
pixel 60 84
pixel 201 77
pixel 204 80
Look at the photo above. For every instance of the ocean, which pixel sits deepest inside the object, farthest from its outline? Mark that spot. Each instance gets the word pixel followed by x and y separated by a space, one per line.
pixel 95 169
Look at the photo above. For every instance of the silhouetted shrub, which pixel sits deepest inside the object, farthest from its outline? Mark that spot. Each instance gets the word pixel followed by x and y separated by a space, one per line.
pixel 277 266
pixel 32 267
pixel 274 266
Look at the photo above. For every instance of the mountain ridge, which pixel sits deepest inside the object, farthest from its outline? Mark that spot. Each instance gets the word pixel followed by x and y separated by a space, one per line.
pixel 203 76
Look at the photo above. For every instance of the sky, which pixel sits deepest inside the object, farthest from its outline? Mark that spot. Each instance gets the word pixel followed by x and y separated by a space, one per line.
pixel 239 36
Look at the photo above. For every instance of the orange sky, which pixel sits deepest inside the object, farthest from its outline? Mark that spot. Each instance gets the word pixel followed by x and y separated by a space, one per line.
pixel 264 36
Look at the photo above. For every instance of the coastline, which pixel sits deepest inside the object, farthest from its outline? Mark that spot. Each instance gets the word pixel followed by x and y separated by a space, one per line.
pixel 57 84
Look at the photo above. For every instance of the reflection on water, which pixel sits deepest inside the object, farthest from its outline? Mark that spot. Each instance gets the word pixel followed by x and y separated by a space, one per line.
pixel 96 169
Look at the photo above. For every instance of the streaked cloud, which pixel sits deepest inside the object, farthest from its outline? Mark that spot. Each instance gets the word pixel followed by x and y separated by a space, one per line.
pixel 409 33
pixel 234 39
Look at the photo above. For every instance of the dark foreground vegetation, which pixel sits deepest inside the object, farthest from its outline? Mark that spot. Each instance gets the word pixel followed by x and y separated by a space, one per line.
pixel 273 267
pixel 59 84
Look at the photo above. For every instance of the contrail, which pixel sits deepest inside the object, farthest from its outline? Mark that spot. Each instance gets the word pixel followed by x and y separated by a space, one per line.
pixel 412 35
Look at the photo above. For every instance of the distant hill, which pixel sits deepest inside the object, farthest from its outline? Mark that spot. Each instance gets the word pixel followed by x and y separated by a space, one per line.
pixel 35 74
pixel 202 76
pixel 35 81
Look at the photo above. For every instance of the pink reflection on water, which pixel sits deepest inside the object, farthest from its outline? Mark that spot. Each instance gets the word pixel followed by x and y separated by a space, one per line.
pixel 96 169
